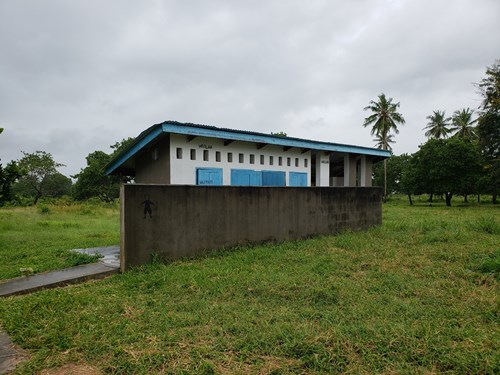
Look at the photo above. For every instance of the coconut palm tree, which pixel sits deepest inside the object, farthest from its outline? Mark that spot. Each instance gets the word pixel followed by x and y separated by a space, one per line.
pixel 383 143
pixel 464 124
pixel 384 119
pixel 438 125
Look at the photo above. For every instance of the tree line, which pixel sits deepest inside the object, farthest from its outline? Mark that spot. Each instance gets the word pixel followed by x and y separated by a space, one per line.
pixel 460 157
pixel 35 176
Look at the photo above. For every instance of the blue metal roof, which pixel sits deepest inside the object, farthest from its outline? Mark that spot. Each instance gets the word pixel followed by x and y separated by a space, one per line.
pixel 197 130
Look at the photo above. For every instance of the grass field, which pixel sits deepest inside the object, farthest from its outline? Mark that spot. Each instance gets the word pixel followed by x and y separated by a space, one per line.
pixel 40 237
pixel 417 295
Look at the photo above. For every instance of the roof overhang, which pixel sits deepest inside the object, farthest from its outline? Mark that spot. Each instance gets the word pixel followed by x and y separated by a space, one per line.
pixel 228 135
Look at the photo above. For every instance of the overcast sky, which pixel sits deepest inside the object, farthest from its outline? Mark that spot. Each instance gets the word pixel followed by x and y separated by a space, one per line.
pixel 77 76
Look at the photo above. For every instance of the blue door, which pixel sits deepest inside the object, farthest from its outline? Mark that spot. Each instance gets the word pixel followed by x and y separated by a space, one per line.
pixel 298 179
pixel 209 176
pixel 273 178
pixel 245 177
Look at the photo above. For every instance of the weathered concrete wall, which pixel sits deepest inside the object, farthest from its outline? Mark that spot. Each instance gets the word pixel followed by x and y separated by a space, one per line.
pixel 190 220
pixel 150 170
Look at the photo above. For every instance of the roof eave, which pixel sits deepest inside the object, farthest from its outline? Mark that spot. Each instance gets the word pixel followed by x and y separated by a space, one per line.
pixel 235 135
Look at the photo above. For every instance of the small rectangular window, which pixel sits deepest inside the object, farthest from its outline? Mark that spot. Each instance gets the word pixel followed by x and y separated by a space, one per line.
pixel 262 159
pixel 217 156
pixel 296 162
pixel 271 160
pixel 305 162
pixel 280 161
pixel 229 157
pixel 193 154
pixel 205 155
pixel 179 153
pixel 252 159
pixel 288 162
pixel 241 158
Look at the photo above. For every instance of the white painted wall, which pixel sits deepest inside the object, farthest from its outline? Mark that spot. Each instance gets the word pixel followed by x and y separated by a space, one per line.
pixel 322 169
pixel 183 171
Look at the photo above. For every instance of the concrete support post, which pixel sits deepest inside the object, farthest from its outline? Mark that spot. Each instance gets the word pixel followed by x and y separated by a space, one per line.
pixel 350 170
pixel 366 171
pixel 123 261
pixel 322 169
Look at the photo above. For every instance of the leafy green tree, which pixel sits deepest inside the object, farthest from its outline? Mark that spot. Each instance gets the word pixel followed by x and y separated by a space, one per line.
pixel 438 125
pixel 58 185
pixel 37 167
pixel 410 184
pixel 395 167
pixel 451 166
pixel 463 124
pixel 489 88
pixel 8 177
pixel 121 145
pixel 280 134
pixel 92 180
pixel 488 129
pixel 384 119
pixel 55 186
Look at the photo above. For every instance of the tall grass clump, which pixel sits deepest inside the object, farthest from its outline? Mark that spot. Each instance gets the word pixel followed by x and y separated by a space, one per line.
pixel 486 224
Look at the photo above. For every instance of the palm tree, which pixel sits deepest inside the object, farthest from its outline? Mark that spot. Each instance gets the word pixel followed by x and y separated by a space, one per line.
pixel 384 119
pixel 438 125
pixel 463 124
pixel 383 143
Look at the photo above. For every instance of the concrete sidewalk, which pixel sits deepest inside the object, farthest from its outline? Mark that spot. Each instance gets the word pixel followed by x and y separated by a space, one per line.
pixel 109 264
pixel 110 255
pixel 10 354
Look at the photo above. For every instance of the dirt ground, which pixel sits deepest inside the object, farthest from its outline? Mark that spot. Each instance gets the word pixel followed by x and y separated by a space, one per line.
pixel 72 369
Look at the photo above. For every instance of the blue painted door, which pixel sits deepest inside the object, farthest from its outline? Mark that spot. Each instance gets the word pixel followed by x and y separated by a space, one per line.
pixel 298 179
pixel 245 177
pixel 273 178
pixel 209 176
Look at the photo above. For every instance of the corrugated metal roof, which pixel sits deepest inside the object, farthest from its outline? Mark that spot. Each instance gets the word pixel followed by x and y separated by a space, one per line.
pixel 210 131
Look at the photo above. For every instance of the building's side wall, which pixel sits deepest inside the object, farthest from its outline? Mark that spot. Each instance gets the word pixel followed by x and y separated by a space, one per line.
pixel 322 168
pixel 367 171
pixel 350 170
pixel 183 170
pixel 153 166
pixel 190 220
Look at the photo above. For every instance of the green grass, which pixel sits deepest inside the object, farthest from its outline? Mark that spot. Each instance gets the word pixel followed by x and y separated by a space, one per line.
pixel 416 295
pixel 40 237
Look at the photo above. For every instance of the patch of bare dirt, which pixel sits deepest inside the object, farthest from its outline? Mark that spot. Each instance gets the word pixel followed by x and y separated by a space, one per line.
pixel 72 369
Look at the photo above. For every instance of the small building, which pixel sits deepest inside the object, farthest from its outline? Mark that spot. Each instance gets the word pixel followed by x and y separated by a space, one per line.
pixel 173 153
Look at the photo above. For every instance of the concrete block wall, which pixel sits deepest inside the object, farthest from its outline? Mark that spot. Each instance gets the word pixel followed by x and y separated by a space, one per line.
pixel 190 220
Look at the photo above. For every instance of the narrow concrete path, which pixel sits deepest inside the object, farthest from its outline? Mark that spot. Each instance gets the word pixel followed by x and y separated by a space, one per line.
pixel 10 355
pixel 109 264
pixel 54 279
pixel 110 255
